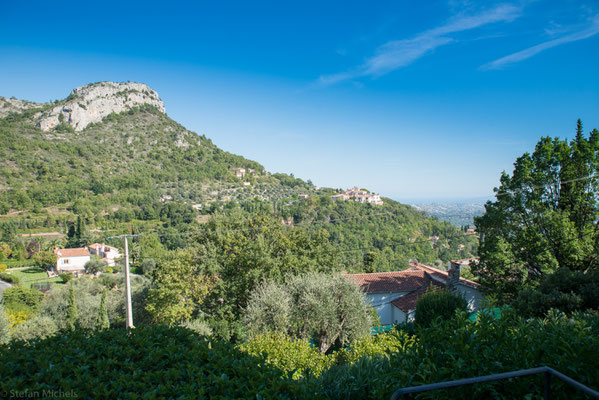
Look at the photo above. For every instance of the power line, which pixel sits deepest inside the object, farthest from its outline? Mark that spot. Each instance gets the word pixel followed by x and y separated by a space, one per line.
pixel 584 178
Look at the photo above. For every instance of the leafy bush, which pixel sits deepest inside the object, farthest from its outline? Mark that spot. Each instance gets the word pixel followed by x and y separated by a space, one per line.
pixel 458 348
pixel 38 327
pixel 94 266
pixel 199 326
pixel 7 277
pixel 382 344
pixel 3 267
pixel 45 259
pixel 66 277
pixel 150 362
pixel 22 295
pixel 294 356
pixel 18 314
pixel 438 304
pixel 148 265
pixel 565 290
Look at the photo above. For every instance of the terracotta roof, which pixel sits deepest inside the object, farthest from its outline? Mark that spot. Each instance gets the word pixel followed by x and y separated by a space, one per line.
pixel 399 281
pixel 407 302
pixel 77 252
pixel 437 273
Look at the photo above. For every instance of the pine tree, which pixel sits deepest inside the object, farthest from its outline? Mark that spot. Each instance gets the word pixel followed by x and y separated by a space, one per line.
pixel 72 311
pixel 103 321
pixel 80 227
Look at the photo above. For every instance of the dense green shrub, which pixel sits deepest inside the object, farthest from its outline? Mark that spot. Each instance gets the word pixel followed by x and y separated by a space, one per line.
pixel 95 265
pixel 437 303
pixel 382 344
pixel 459 348
pixel 565 290
pixel 38 327
pixel 3 267
pixel 7 277
pixel 294 356
pixel 150 362
pixel 66 277
pixel 22 295
pixel 199 326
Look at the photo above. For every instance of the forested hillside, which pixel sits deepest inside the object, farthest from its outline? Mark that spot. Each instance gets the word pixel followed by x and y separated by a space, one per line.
pixel 138 170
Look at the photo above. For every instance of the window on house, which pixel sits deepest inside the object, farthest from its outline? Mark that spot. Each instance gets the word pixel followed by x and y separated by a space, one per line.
pixel 65 261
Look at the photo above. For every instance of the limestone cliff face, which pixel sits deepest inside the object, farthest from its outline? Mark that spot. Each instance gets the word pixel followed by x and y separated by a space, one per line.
pixel 13 105
pixel 91 103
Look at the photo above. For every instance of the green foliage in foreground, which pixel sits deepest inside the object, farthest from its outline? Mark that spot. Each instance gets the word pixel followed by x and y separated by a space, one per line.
pixel 438 304
pixel 565 290
pixel 152 362
pixel 156 361
pixel 295 357
pixel 22 296
pixel 458 348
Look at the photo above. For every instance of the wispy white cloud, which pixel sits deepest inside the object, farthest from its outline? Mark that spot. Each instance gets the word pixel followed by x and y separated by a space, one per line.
pixel 586 33
pixel 400 53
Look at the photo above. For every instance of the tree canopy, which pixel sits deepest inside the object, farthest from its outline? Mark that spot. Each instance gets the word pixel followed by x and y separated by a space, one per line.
pixel 322 307
pixel 544 217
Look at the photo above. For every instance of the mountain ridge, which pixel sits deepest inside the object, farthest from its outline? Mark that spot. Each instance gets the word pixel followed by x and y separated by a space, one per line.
pixel 87 104
pixel 139 170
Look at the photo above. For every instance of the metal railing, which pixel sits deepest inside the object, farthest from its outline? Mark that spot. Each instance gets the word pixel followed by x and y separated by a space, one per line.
pixel 406 393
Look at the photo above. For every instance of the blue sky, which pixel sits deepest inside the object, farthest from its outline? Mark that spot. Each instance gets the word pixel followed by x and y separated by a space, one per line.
pixel 415 100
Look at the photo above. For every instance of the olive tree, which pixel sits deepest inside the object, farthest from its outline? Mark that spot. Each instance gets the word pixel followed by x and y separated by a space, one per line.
pixel 322 307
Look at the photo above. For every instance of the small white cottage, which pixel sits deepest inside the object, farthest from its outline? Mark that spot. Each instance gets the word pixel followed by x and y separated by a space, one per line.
pixel 72 260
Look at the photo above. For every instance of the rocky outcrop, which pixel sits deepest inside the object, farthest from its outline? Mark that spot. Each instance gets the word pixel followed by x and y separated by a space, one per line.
pixel 13 105
pixel 91 103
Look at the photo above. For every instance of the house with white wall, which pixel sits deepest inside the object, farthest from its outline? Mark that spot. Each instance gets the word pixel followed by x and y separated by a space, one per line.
pixel 394 294
pixel 72 260
pixel 105 252
pixel 359 195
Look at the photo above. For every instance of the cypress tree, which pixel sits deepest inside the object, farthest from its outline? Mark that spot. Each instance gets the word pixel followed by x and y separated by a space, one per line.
pixel 103 321
pixel 72 311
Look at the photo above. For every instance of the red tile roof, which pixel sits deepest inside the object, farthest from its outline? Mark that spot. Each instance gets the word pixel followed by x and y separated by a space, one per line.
pixel 77 252
pixel 407 302
pixel 442 275
pixel 399 281
pixel 403 281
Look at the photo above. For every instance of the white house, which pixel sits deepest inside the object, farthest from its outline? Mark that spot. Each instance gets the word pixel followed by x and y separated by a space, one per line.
pixel 72 260
pixel 394 294
pixel 359 195
pixel 240 172
pixel 105 252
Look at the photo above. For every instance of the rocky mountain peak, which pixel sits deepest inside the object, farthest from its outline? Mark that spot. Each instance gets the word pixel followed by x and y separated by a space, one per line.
pixel 91 103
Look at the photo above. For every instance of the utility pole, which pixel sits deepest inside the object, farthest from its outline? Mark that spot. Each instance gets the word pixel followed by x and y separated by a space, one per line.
pixel 128 288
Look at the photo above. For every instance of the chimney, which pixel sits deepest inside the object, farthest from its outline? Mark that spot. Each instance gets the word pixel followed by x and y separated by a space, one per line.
pixel 453 275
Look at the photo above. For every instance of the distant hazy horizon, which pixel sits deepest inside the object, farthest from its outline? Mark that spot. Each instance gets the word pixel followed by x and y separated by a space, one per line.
pixel 443 200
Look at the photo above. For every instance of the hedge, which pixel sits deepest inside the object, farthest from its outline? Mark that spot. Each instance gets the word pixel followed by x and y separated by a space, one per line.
pixel 459 348
pixel 161 362
pixel 151 362
pixel 6 277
